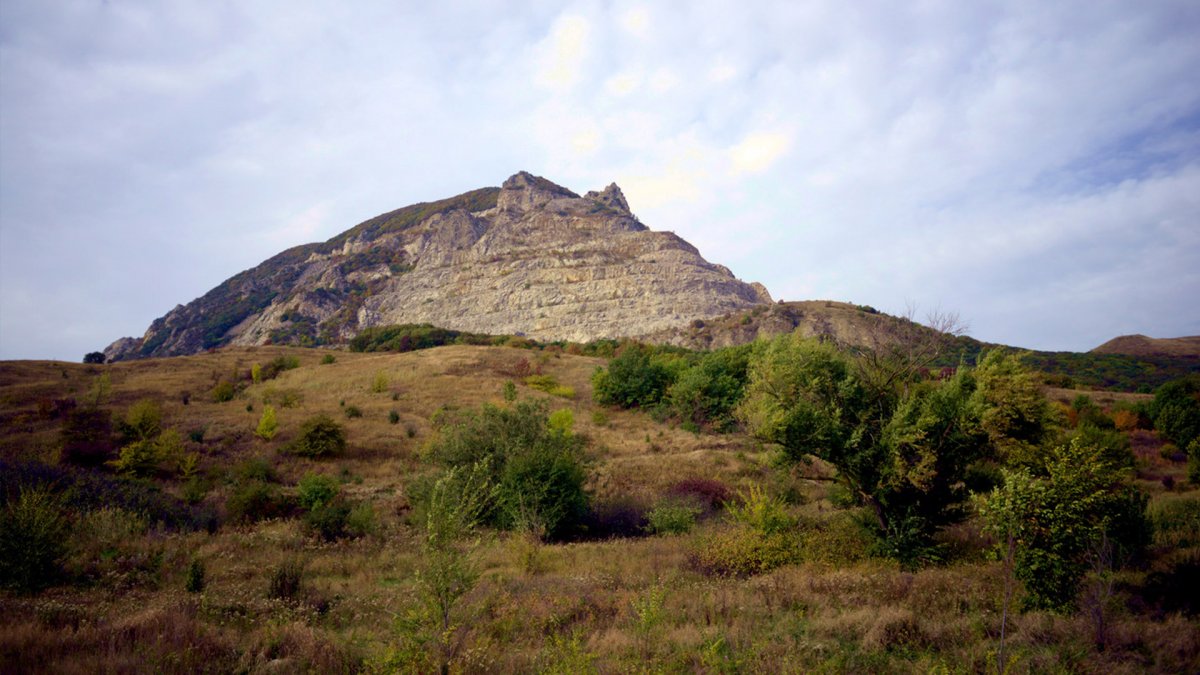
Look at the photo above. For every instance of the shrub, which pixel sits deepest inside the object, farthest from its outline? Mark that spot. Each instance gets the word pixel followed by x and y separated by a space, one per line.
pixel 671 518
pixel 256 374
pixel 510 391
pixel 267 426
pixel 194 581
pixel 361 520
pixel 709 493
pixel 757 511
pixel 393 417
pixel 319 436
pixel 224 391
pixel 315 490
pixel 1176 410
pixel 353 411
pixel 742 551
pixel 539 470
pixel 255 468
pixel 87 438
pixel 278 365
pixel 706 394
pixel 380 383
pixel 254 501
pixel 328 519
pixel 93 357
pixel 328 359
pixel 600 418
pixel 1057 512
pixel 631 380
pixel 33 532
pixel 286 580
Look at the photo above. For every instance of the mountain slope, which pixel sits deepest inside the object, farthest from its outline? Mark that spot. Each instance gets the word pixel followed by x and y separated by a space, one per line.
pixel 1140 345
pixel 529 258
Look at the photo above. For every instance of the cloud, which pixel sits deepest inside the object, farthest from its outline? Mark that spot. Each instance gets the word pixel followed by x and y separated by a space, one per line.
pixel 1032 166
pixel 758 152
pixel 563 53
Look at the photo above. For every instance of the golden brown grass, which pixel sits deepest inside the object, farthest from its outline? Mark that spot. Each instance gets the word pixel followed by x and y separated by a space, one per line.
pixel 559 608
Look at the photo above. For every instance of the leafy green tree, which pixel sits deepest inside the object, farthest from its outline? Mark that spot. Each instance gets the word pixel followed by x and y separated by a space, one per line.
pixel 707 393
pixel 539 468
pixel 93 357
pixel 1055 513
pixel 902 444
pixel 33 535
pixel 632 379
pixel 319 436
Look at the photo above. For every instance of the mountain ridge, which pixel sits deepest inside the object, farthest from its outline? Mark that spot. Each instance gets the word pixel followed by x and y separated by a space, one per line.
pixel 528 258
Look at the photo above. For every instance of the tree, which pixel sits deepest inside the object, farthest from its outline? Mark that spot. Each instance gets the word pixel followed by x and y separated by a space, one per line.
pixel 267 426
pixel 319 436
pixel 1058 512
pixel 632 379
pixel 93 357
pixel 902 443
pixel 538 467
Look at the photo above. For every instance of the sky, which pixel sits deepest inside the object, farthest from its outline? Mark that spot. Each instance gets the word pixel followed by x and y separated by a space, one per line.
pixel 1032 166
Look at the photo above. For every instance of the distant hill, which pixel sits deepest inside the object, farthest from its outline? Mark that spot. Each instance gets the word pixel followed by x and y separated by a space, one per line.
pixel 1140 345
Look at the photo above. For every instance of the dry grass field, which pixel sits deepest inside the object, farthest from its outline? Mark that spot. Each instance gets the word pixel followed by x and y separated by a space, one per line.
pixel 625 604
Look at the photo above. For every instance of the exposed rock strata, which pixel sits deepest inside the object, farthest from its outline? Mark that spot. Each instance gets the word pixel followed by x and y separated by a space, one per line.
pixel 531 258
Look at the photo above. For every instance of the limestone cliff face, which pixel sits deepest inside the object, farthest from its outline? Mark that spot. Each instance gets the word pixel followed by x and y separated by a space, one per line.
pixel 529 258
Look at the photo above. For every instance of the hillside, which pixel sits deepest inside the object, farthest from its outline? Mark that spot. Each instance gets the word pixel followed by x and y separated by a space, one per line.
pixel 1140 345
pixel 274 595
pixel 529 258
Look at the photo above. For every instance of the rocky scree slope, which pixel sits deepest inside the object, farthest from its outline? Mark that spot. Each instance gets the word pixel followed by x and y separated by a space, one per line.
pixel 529 258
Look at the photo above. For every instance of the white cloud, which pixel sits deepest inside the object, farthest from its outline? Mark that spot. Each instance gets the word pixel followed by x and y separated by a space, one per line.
pixel 757 152
pixel 1007 162
pixel 562 55
pixel 636 21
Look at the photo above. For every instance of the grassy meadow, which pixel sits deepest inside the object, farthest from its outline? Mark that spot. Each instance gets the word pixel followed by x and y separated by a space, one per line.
pixel 175 571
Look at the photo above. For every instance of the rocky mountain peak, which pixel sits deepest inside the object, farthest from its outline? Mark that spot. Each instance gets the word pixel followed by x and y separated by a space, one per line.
pixel 612 197
pixel 524 191
pixel 530 258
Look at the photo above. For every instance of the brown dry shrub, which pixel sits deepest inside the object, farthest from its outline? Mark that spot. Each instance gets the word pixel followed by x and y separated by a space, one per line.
pixel 895 628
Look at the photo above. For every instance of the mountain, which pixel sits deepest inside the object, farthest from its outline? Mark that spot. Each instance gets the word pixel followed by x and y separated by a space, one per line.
pixel 529 258
pixel 1140 345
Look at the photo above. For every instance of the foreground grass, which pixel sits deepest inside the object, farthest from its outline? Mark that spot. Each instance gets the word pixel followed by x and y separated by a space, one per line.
pixel 621 605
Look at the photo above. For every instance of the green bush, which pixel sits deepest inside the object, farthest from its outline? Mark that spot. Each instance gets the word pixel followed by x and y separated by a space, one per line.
pixel 741 551
pixel 393 417
pixel 361 520
pixel 706 394
pixel 224 391
pixel 328 359
pixel 316 489
pixel 1176 410
pixel 1058 513
pixel 539 469
pixel 143 420
pixel 267 426
pixel 672 518
pixel 33 535
pixel 319 436
pixel 352 412
pixel 328 519
pixel 255 500
pixel 194 581
pixel 632 379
